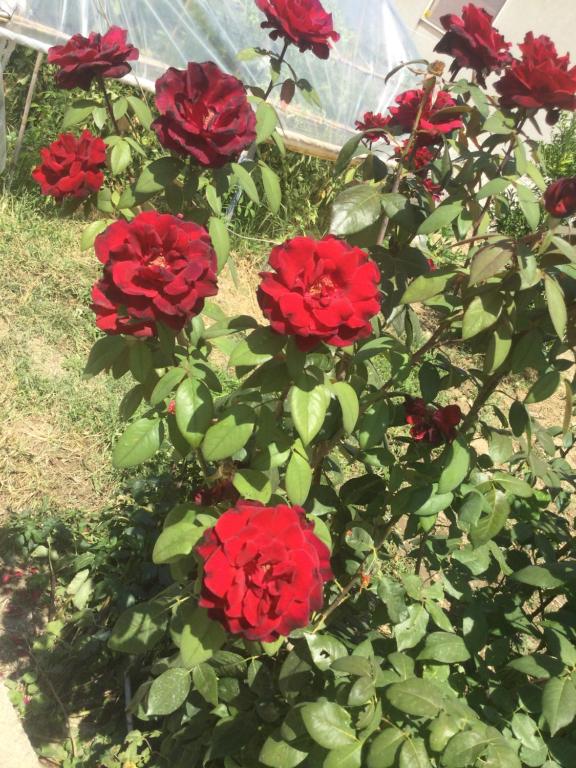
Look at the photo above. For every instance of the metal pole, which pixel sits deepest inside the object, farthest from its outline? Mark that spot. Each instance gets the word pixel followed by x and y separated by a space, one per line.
pixel 27 105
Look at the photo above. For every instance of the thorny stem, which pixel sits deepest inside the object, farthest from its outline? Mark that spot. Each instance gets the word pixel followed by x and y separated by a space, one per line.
pixel 108 104
pixel 428 86
pixel 484 395
pixel 345 594
pixel 280 62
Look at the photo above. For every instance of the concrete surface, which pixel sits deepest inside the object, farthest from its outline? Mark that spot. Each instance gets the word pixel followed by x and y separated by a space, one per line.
pixel 15 749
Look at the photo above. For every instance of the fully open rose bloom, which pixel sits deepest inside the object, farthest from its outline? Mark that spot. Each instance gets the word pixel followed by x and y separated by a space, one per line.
pixel 474 43
pixel 204 113
pixel 82 59
pixel 157 268
pixel 264 570
pixel 302 22
pixel 433 124
pixel 560 198
pixel 540 80
pixel 432 425
pixel 321 290
pixel 71 166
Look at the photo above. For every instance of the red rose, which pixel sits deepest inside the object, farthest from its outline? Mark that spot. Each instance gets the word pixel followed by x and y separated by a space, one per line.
pixel 82 59
pixel 540 80
pixel 560 198
pixel 429 424
pixel 157 268
pixel 433 125
pixel 204 113
pixel 321 290
pixel 474 43
pixel 418 160
pixel 376 124
pixel 264 570
pixel 71 166
pixel 302 22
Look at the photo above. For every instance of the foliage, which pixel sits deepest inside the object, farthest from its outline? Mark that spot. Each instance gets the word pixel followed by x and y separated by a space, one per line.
pixel 447 635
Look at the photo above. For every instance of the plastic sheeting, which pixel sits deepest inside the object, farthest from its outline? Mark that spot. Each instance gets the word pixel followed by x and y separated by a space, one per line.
pixel 173 32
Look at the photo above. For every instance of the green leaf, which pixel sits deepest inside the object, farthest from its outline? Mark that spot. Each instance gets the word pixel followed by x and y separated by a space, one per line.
pixel 344 757
pixel 140 360
pixel 355 208
pixel 138 629
pixel 346 154
pixel 253 484
pixel 298 474
pixel 92 231
pixel 179 537
pixel 258 347
pixel 537 665
pixel 166 384
pixel 481 313
pixel 120 157
pixel 441 217
pixel 425 287
pixel 78 113
pixel 194 410
pixel 559 703
pixel 139 443
pixel 266 122
pixel 206 683
pixel 414 755
pixel 410 631
pixel 420 698
pixel 465 748
pixel 543 388
pixel 103 354
pixel 457 464
pixel 537 576
pixel 141 110
pixel 230 434
pixel 490 261
pixel 491 523
pixel 272 187
pixel 245 181
pixel 325 650
pixel 499 346
pixel 349 404
pixel 565 248
pixel 157 175
pixel 201 637
pixel 393 595
pixel 493 187
pixel 220 240
pixel 384 748
pixel 328 724
pixel 530 206
pixel 513 485
pixel 308 409
pixel 444 647
pixel 168 692
pixel 519 418
pixel 556 305
pixel 277 753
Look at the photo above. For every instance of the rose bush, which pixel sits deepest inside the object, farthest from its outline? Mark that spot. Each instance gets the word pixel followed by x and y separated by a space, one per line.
pixel 376 567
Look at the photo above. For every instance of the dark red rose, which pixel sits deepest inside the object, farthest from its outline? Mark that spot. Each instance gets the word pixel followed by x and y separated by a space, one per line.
pixel 157 268
pixel 264 570
pixel 418 160
pixel 560 198
pixel 429 424
pixel 222 490
pixel 321 290
pixel 71 166
pixel 376 124
pixel 82 59
pixel 433 124
pixel 302 22
pixel 474 43
pixel 204 113
pixel 540 80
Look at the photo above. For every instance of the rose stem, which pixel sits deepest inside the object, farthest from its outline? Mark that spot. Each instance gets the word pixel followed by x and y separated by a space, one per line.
pixel 108 104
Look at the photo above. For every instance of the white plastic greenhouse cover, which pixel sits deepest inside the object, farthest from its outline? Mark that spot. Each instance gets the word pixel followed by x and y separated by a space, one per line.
pixel 173 32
